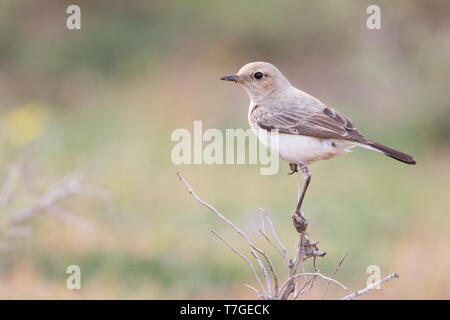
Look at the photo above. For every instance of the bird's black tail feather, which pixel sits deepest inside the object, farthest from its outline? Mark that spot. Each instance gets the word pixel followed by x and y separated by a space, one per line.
pixel 400 156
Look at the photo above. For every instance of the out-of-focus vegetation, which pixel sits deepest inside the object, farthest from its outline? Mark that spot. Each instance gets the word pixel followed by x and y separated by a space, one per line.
pixel 104 100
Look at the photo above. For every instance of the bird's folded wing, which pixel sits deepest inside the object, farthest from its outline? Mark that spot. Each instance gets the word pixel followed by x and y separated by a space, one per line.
pixel 321 123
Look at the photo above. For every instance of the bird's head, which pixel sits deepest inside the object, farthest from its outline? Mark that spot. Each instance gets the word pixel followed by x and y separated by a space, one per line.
pixel 259 79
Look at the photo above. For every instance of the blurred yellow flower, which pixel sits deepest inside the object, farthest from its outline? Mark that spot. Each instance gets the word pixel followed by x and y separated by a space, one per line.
pixel 25 124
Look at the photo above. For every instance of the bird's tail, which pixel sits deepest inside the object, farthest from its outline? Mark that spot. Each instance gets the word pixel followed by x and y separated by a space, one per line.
pixel 400 156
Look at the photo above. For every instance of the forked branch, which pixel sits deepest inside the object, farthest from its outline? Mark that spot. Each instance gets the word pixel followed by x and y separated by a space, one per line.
pixel 272 288
pixel 305 249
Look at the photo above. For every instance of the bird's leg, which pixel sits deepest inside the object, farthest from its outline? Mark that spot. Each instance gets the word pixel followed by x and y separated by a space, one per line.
pixel 307 175
pixel 293 168
pixel 300 222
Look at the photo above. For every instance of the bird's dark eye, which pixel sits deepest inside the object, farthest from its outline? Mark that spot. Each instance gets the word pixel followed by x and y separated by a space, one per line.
pixel 258 75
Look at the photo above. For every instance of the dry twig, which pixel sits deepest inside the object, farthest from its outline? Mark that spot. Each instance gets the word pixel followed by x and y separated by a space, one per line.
pixel 305 249
pixel 338 267
pixel 68 186
pixel 370 287
pixel 246 260
pixel 239 231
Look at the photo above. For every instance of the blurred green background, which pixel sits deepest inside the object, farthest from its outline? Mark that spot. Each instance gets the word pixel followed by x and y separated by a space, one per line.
pixel 105 99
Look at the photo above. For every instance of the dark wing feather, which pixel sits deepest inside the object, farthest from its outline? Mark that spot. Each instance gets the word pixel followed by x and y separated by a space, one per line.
pixel 325 123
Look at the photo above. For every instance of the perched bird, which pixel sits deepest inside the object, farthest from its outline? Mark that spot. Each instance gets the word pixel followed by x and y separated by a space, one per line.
pixel 308 130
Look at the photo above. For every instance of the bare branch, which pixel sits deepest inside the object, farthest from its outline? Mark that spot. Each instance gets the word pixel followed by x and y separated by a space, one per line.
pixel 275 278
pixel 304 288
pixel 239 231
pixel 296 291
pixel 62 189
pixel 309 288
pixel 370 287
pixel 275 247
pixel 70 218
pixel 305 249
pixel 338 267
pixel 52 196
pixel 243 257
pixel 311 274
pixel 191 191
pixel 254 289
pixel 264 270
pixel 269 221
pixel 8 186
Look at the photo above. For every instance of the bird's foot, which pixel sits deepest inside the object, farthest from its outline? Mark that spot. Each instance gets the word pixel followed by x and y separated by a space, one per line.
pixel 299 221
pixel 293 168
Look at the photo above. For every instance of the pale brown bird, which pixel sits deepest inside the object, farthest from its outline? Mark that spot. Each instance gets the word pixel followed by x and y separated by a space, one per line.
pixel 308 130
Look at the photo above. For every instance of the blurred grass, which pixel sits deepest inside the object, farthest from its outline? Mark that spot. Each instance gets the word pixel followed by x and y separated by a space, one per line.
pixel 114 91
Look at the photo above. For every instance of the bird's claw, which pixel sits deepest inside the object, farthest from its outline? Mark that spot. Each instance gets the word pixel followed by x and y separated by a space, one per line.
pixel 293 168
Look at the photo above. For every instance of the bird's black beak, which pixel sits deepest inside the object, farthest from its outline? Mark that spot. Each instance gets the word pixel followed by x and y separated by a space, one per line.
pixel 233 77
